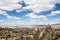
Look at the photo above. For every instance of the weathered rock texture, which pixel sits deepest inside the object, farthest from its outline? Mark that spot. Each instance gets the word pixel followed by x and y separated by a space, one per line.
pixel 47 33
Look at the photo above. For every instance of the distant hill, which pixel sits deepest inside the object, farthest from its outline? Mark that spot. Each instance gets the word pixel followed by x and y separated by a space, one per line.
pixel 56 26
pixel 31 26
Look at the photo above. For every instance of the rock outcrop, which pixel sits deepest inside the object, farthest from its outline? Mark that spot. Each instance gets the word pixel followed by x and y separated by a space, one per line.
pixel 47 33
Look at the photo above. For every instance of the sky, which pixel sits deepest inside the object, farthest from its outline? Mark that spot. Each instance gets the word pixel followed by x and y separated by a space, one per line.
pixel 29 12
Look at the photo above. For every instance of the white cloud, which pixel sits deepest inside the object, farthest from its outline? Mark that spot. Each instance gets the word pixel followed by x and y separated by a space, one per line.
pixel 18 10
pixel 39 5
pixel 11 17
pixel 11 22
pixel 57 1
pixel 53 13
pixel 1 21
pixel 57 19
pixel 2 12
pixel 34 19
pixel 34 16
pixel 8 16
pixel 35 5
pixel 9 5
pixel 37 22
pixel 38 1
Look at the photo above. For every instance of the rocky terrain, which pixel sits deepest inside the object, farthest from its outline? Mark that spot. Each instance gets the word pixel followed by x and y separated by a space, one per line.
pixel 35 33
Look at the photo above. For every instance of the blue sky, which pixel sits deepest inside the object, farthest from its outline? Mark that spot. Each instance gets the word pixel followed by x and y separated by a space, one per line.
pixel 28 12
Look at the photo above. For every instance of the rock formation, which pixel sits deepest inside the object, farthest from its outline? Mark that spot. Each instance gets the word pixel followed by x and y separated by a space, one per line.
pixel 47 34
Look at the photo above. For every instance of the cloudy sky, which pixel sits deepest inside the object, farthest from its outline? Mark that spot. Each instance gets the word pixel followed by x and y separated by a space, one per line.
pixel 29 12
